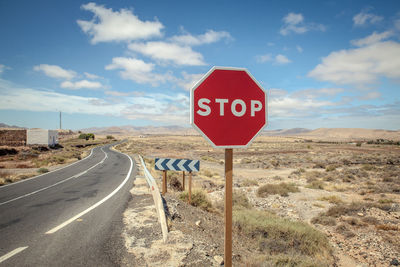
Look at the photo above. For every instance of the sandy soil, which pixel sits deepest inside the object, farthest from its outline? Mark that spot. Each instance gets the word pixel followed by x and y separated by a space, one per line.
pixel 330 176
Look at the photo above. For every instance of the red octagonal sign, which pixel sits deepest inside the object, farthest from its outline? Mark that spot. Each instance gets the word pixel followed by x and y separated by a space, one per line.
pixel 228 107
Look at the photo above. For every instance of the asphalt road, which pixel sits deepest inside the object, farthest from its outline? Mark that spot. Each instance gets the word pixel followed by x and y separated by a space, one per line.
pixel 69 217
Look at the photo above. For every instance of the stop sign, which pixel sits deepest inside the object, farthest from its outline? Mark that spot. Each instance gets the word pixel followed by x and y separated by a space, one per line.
pixel 228 107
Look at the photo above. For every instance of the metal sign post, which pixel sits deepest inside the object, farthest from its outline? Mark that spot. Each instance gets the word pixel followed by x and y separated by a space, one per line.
pixel 228 206
pixel 164 185
pixel 183 181
pixel 190 187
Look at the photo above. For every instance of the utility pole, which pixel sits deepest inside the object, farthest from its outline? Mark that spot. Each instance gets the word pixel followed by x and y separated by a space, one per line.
pixel 60 121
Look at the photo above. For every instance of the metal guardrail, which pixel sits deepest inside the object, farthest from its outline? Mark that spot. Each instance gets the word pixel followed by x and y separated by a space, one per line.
pixel 157 199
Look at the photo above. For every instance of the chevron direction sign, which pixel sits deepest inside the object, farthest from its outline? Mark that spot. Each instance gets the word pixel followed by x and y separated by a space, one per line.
pixel 189 165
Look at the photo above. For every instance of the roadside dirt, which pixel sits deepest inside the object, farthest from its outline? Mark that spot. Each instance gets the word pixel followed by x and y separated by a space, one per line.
pixel 359 186
pixel 195 238
pixel 26 161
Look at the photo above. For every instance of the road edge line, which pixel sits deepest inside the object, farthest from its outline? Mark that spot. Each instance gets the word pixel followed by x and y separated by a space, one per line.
pixel 62 225
pixel 12 253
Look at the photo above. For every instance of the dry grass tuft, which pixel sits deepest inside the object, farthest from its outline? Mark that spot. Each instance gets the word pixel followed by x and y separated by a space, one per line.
pixel 249 182
pixel 317 184
pixel 324 220
pixel 286 241
pixel 199 199
pixel 282 189
pixel 332 199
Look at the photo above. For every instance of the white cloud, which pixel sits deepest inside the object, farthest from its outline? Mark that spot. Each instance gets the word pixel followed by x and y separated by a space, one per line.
pixel 3 68
pixel 372 39
pixel 317 93
pixel 397 24
pixel 169 109
pixel 189 80
pixel 277 92
pixel 137 70
pixel 207 38
pixel 92 76
pixel 108 25
pixel 278 59
pixel 364 18
pixel 294 22
pixel 169 52
pixel 37 100
pixel 83 84
pixel 299 49
pixel 289 106
pixel 55 71
pixel 360 66
pixel 281 59
pixel 116 93
pixel 293 18
pixel 371 96
pixel 264 58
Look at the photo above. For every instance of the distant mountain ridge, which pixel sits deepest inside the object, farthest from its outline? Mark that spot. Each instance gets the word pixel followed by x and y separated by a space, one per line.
pixel 286 132
pixel 141 130
pixel 352 134
pixel 328 134
pixel 3 125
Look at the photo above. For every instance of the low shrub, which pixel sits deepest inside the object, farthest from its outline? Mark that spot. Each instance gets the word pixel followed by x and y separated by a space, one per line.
pixel 174 181
pixel 332 199
pixel 324 220
pixel 387 227
pixel 240 200
pixel 86 136
pixel 287 260
pixel 370 220
pixel 42 170
pixel 199 199
pixel 330 168
pixel 346 232
pixel 317 184
pixel 249 182
pixel 282 189
pixel 385 201
pixel 207 173
pixel 277 235
pixel 354 207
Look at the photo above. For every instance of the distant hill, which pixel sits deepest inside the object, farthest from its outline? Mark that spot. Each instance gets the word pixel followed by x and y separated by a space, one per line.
pixel 141 130
pixel 3 125
pixel 286 132
pixel 351 134
pixel 324 134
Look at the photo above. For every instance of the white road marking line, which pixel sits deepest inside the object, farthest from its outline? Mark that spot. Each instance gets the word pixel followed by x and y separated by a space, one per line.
pixel 55 229
pixel 12 253
pixel 60 182
pixel 28 179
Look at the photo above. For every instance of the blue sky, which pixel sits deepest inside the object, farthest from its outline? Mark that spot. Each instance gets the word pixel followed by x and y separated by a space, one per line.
pixel 109 63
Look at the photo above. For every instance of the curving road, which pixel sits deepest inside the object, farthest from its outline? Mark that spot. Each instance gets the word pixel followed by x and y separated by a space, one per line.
pixel 69 217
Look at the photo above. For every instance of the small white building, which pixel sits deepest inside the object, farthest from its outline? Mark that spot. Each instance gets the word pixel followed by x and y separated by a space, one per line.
pixel 44 137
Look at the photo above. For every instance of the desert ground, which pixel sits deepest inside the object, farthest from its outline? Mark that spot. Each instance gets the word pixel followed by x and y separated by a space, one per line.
pixel 297 201
pixel 22 162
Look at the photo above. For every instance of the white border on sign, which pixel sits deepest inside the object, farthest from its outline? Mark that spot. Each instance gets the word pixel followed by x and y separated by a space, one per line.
pixel 192 105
